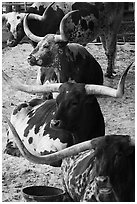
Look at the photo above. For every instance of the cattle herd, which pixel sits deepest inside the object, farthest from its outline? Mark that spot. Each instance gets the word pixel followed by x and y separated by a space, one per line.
pixel 67 129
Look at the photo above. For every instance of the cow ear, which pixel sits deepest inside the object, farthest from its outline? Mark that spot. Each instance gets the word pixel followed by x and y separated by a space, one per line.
pixel 62 44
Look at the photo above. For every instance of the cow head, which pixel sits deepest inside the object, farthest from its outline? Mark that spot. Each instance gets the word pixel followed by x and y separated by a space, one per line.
pixel 72 105
pixel 44 53
pixel 47 48
pixel 115 158
pixel 14 23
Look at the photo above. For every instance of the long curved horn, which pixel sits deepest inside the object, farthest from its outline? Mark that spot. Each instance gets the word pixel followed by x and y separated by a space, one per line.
pixel 51 158
pixel 47 9
pixel 54 87
pixel 29 33
pixel 47 87
pixel 62 36
pixel 39 17
pixel 107 91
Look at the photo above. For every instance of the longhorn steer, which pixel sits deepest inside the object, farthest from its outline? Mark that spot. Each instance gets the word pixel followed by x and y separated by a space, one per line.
pixel 74 61
pixel 77 112
pixel 32 121
pixel 95 19
pixel 104 173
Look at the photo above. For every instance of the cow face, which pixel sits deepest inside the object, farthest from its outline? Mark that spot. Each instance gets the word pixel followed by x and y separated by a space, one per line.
pixel 71 104
pixel 14 23
pixel 115 158
pixel 45 52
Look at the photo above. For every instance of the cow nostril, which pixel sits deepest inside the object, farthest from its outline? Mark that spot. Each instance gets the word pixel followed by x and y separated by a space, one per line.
pixel 32 60
pixel 31 57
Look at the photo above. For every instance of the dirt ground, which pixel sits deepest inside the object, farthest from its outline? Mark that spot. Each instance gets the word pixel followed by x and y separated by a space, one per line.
pixel 119 115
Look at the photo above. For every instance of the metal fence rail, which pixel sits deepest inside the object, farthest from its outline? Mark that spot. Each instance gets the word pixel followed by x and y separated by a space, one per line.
pixel 15 6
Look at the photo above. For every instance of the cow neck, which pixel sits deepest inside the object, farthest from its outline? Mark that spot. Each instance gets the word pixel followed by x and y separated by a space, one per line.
pixel 66 64
pixel 90 124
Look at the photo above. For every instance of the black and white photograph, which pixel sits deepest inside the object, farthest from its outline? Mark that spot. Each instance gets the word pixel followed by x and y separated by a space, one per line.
pixel 68 101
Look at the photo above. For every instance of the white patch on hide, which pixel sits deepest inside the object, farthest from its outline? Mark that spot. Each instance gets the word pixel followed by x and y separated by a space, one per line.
pixel 49 144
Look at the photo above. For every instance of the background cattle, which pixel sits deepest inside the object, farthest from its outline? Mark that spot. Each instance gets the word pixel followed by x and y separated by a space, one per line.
pixel 95 19
pixel 14 22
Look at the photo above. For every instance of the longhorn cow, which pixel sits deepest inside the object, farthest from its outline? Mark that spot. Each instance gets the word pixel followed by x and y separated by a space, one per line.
pixel 71 60
pixel 74 116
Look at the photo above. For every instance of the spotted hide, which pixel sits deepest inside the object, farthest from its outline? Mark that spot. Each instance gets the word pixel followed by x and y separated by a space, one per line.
pixel 32 121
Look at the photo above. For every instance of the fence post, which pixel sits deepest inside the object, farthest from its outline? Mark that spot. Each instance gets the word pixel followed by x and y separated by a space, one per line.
pixel 25 6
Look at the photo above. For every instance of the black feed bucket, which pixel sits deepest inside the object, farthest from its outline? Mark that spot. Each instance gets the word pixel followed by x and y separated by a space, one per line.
pixel 43 194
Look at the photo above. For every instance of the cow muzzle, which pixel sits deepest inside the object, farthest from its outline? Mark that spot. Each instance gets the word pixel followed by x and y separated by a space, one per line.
pixel 104 192
pixel 33 61
pixel 12 42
